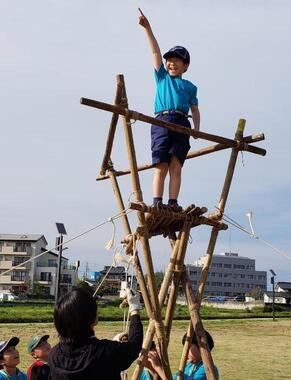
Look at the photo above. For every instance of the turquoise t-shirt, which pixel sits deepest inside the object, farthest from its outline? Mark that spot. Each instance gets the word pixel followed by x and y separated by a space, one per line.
pixel 146 375
pixel 173 93
pixel 18 376
pixel 194 372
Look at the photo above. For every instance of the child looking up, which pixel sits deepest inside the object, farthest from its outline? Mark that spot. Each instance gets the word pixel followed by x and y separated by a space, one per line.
pixel 39 348
pixel 174 97
pixel 9 359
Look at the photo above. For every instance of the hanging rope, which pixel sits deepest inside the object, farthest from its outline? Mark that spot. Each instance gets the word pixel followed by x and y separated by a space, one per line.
pixel 110 244
pixel 234 223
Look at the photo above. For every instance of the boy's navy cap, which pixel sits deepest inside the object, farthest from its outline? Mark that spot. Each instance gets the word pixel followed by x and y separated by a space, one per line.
pixel 178 51
pixel 8 343
pixel 35 341
pixel 210 341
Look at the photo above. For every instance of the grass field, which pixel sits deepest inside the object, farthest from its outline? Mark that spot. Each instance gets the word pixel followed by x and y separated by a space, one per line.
pixel 254 349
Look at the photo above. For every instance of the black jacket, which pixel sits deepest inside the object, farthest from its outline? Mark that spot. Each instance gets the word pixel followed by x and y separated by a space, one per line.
pixel 96 359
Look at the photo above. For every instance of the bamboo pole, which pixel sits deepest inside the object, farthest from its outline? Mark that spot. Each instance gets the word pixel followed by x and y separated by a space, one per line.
pixel 127 231
pixel 130 114
pixel 193 306
pixel 112 129
pixel 162 297
pixel 214 232
pixel 196 153
pixel 179 267
pixel 145 241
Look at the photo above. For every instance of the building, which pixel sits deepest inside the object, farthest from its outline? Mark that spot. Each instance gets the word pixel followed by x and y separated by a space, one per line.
pixel 38 275
pixel 114 277
pixel 229 275
pixel 282 294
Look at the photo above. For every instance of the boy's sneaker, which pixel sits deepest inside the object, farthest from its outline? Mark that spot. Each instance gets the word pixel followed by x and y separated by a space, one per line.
pixel 160 205
pixel 174 207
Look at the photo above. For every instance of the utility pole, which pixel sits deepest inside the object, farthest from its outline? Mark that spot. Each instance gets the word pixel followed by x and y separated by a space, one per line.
pixel 59 243
pixel 273 292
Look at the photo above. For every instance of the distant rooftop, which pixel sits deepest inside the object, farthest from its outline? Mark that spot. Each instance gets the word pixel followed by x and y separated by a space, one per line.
pixel 284 285
pixel 21 237
pixel 231 254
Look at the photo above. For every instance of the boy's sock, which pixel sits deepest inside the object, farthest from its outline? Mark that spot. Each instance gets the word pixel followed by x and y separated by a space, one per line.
pixel 157 200
pixel 172 202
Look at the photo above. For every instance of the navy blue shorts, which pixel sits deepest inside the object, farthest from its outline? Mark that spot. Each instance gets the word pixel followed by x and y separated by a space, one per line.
pixel 166 143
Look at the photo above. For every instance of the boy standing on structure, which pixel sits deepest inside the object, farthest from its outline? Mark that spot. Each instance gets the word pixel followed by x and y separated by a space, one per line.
pixel 174 97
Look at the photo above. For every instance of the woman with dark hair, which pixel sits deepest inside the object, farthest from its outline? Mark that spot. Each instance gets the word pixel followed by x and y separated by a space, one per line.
pixel 80 355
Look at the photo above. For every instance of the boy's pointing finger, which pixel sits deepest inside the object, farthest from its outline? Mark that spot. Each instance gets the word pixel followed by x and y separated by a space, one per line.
pixel 140 11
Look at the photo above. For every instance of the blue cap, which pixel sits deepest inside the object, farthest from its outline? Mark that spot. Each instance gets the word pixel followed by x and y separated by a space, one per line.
pixel 8 343
pixel 178 51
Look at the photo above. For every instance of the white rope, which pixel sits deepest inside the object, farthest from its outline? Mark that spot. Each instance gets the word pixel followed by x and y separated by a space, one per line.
pixel 231 221
pixel 116 216
pixel 110 244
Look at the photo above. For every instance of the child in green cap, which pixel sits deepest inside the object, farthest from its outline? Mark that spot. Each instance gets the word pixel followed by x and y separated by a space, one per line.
pixel 39 348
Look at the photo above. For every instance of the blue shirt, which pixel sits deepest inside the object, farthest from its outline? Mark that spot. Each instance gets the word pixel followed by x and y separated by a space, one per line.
pixel 146 375
pixel 19 376
pixel 194 372
pixel 173 93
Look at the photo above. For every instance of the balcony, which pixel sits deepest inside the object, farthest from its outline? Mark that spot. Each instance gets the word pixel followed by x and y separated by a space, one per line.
pixel 47 265
pixel 11 251
pixel 5 264
pixel 11 280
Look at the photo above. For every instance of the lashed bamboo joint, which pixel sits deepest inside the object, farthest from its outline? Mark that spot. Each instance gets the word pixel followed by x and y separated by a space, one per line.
pixel 163 221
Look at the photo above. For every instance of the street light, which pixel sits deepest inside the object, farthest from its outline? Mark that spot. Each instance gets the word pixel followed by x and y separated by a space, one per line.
pixel 273 284
pixel 59 243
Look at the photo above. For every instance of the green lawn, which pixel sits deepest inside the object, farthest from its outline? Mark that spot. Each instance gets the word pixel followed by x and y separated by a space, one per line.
pixel 247 349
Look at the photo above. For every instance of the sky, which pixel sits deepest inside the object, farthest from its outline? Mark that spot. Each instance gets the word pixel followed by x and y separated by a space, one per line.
pixel 57 51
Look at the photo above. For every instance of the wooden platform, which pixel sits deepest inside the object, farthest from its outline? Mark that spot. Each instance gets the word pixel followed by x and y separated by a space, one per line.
pixel 164 221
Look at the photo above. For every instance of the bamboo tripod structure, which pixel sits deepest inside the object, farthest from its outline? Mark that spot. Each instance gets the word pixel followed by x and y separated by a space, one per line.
pixel 153 221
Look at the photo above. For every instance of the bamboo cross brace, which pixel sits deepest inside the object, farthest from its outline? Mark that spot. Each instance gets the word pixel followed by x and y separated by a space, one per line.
pixel 196 153
pixel 134 115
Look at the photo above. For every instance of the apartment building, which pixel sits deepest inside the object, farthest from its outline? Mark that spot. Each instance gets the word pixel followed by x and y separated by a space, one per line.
pixel 37 275
pixel 229 275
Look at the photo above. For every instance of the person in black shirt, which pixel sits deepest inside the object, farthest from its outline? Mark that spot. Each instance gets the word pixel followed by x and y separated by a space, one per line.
pixel 80 355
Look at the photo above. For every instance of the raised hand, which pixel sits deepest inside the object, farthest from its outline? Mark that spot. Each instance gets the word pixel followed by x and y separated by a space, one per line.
pixel 143 21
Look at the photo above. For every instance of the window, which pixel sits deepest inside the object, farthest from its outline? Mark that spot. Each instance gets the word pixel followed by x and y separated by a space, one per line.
pixel 227 265
pixel 45 276
pixel 238 266
pixel 52 262
pixel 21 246
pixel 66 278
pixel 216 283
pixel 18 276
pixel 18 260
pixel 227 284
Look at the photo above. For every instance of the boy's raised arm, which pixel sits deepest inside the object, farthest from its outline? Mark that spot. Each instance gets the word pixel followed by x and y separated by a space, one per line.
pixel 154 46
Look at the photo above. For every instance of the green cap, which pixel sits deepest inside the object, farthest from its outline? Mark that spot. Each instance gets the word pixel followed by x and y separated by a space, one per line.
pixel 35 341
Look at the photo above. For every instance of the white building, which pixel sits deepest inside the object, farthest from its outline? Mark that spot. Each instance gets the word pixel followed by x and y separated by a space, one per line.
pixel 282 294
pixel 229 275
pixel 39 274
